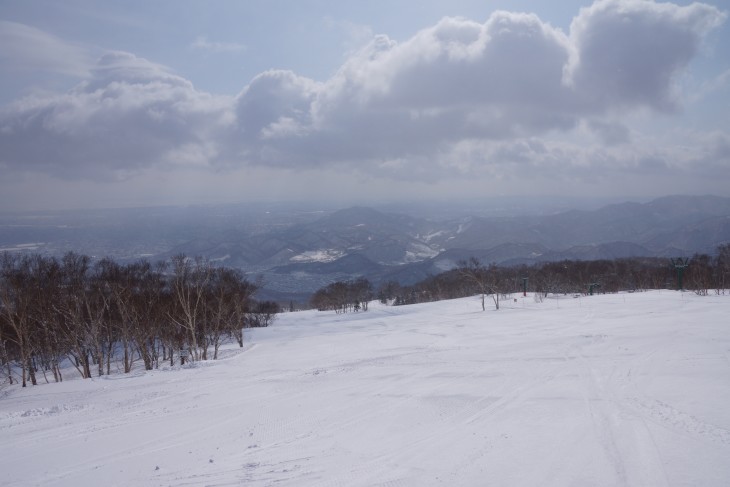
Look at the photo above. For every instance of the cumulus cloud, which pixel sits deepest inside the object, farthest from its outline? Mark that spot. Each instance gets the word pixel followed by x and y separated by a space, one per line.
pixel 131 114
pixel 402 107
pixel 628 52
pixel 454 81
pixel 458 98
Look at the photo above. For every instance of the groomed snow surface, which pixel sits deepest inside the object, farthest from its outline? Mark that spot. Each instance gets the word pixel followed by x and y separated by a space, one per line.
pixel 621 389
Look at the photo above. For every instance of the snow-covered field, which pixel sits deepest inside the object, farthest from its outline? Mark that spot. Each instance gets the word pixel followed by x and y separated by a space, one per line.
pixel 623 389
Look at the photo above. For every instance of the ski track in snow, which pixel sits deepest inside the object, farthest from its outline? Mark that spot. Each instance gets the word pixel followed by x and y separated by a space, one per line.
pixel 609 390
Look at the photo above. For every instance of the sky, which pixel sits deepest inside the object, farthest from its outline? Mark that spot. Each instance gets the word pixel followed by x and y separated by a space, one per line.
pixel 138 103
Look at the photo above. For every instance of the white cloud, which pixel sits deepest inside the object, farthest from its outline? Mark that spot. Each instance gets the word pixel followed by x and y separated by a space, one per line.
pixel 355 35
pixel 460 99
pixel 629 52
pixel 130 115
pixel 708 87
pixel 609 132
pixel 403 107
pixel 202 43
pixel 26 48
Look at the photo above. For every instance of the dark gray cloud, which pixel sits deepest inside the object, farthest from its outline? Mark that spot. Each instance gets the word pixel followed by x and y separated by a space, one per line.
pixel 457 99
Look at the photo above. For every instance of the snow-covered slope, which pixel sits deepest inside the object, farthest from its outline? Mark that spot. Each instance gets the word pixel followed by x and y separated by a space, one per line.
pixel 627 389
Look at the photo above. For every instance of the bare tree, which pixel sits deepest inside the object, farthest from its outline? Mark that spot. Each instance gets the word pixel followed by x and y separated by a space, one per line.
pixel 262 314
pixel 343 296
pixel 486 280
pixel 149 303
pixel 49 343
pixel 189 281
pixel 388 291
pixel 362 292
pixel 78 327
pixel 699 275
pixel 4 355
pixel 722 268
pixel 223 311
pixel 15 298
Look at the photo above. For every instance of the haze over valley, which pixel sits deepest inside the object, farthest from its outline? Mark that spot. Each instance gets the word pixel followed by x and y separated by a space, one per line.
pixel 298 249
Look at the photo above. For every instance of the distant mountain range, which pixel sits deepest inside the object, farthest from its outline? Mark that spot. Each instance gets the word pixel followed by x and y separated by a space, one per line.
pixel 297 252
pixel 383 246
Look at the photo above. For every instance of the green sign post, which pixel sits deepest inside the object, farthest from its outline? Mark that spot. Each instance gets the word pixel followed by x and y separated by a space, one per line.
pixel 592 286
pixel 680 265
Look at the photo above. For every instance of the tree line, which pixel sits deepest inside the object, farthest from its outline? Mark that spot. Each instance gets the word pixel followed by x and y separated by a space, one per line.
pixel 105 314
pixel 702 274
pixel 343 296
